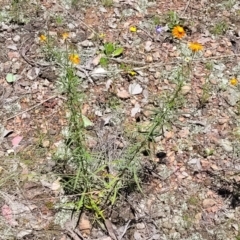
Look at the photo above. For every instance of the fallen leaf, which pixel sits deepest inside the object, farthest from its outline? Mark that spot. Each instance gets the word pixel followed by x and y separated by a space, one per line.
pixel 84 224
pixel 96 60
pixel 135 89
pixel 118 52
pixel 16 141
pixel 135 110
pixel 226 145
pixel 86 122
pixel 11 78
pixel 56 185
pixel 123 94
pixel 33 73
pixel 186 89
pixel 184 132
pixel 110 229
pixel 12 47
pixel 24 233
pixel 7 213
pixel 148 46
pixel 98 72
pixel 208 203
pixel 108 84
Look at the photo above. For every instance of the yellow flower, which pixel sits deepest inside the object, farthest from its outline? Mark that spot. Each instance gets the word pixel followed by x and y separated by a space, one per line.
pixel 195 46
pixel 74 58
pixel 233 81
pixel 65 35
pixel 42 38
pixel 132 73
pixel 102 35
pixel 178 32
pixel 133 29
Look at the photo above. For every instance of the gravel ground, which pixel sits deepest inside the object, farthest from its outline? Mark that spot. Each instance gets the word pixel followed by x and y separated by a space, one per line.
pixel 190 182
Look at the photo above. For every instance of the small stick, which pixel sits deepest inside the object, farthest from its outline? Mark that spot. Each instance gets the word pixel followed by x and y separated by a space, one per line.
pixel 127 61
pixel 33 107
pixel 185 9
pixel 125 229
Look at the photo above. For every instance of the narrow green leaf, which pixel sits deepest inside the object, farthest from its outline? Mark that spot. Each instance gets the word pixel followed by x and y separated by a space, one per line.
pixel 135 176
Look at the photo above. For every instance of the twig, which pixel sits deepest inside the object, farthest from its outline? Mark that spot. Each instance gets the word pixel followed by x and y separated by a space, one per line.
pixel 125 229
pixel 76 18
pixel 127 61
pixel 110 229
pixel 186 7
pixel 33 107
pixel 74 235
pixel 146 33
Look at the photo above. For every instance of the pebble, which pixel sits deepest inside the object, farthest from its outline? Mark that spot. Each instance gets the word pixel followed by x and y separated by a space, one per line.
pixel 71 26
pixel 156 237
pixel 186 89
pixel 5 27
pixel 16 66
pixel 137 235
pixel 1 153
pixel 46 83
pixel 12 55
pixel 208 202
pixel 149 58
pixel 140 225
pixel 52 132
pixel 222 120
pixel 167 225
pixel 156 56
pixel 226 145
pixel 46 143
pixel 123 94
pixel 86 43
pixel 208 53
pixel 16 38
pixel 157 75
pixel 12 47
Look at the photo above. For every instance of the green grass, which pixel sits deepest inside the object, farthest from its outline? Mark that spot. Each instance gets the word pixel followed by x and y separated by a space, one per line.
pixel 107 3
pixel 219 28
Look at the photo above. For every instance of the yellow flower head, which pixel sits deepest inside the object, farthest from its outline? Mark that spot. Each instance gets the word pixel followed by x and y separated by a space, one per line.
pixel 65 35
pixel 102 35
pixel 74 58
pixel 233 81
pixel 195 46
pixel 42 38
pixel 133 29
pixel 132 73
pixel 178 32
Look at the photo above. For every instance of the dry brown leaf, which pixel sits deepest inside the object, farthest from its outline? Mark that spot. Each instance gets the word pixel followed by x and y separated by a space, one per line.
pixel 208 202
pixel 123 94
pixel 84 224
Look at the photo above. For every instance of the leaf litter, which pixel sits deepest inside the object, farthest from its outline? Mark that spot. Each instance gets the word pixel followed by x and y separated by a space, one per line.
pixel 199 157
